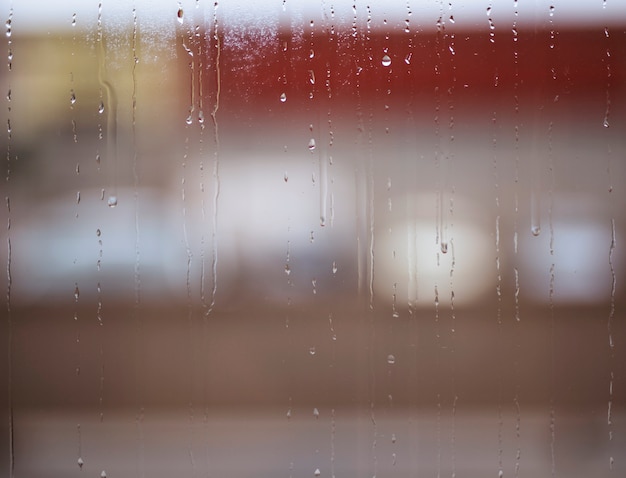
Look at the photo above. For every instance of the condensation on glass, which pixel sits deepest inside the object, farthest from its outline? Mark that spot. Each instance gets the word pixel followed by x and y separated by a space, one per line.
pixel 313 238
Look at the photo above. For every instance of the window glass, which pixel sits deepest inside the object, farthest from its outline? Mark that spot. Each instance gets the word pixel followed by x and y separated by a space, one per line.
pixel 313 238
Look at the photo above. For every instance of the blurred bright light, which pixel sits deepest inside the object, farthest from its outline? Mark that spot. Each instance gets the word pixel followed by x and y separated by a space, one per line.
pixel 409 256
pixel 581 239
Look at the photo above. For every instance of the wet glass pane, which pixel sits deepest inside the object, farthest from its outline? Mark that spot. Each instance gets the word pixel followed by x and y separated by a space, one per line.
pixel 312 238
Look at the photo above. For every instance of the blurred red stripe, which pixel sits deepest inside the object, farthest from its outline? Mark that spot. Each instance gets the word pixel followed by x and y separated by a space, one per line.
pixel 344 66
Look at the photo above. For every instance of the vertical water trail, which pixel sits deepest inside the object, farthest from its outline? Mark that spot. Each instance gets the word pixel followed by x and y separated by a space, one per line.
pixel 285 47
pixel 108 95
pixel 361 186
pixel 326 159
pixel 198 55
pixel 498 297
pixel 188 252
pixel 438 362
pixel 447 220
pixel 535 155
pixel 371 231
pixel 370 197
pixel 553 354
pixel 10 343
pixel 100 322
pixel 552 308
pixel 609 418
pixel 412 266
pixel 611 259
pixel 535 192
pixel 323 172
pixel 439 153
pixel 139 364
pixel 516 324
pixel 136 180
pixel 216 168
pixel 453 353
pixel 77 368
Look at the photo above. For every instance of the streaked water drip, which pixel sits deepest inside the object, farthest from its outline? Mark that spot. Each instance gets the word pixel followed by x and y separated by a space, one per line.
pixel 217 45
pixel 500 372
pixel 552 310
pixel 361 224
pixel 374 440
pixel 108 104
pixel 9 265
pixel 371 231
pixel 535 199
pixel 323 163
pixel 609 418
pixel 412 292
pixel 608 60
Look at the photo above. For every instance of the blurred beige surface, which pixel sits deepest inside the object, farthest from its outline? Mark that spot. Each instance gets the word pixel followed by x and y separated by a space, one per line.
pixel 398 442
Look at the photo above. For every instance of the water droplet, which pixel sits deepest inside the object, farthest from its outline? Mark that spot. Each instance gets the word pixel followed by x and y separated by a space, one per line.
pixel 101 107
pixel 180 15
pixel 76 292
pixel 189 119
pixel 391 359
pixel 80 463
pixel 311 144
pixel 316 413
pixel 536 230
pixel 317 472
pixel 311 77
pixel 334 267
pixel 312 53
pixel 606 123
pixel 393 438
pixel 500 474
pixel 312 350
pixel 74 20
pixel 386 61
pixel 8 25
pixel 72 97
pixel 444 247
pixel 112 201
pixel 98 232
pixel 201 117
pixel 283 97
pixel 103 474
pixel 407 59
pixel 285 177
pixel 97 159
pixel 287 269
pixel 289 414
